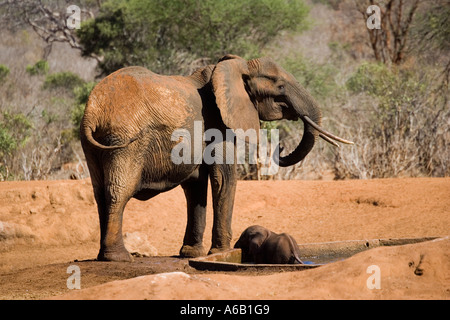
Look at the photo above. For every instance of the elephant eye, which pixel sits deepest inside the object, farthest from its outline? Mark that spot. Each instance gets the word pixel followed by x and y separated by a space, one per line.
pixel 281 88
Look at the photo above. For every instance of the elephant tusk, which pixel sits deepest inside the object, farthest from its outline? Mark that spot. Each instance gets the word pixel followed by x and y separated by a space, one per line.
pixel 324 137
pixel 325 133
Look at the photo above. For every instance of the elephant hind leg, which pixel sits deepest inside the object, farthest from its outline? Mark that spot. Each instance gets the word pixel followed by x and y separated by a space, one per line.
pixel 111 242
pixel 113 198
pixel 111 210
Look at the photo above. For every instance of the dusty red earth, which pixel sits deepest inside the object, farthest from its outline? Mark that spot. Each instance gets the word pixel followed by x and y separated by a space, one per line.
pixel 46 226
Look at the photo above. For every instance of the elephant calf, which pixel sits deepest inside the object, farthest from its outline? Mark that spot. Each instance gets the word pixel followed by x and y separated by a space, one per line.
pixel 260 245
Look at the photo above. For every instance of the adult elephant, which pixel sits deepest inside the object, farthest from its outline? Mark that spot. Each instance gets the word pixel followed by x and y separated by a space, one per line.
pixel 126 137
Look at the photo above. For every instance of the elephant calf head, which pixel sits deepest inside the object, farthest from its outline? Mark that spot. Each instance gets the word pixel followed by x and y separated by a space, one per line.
pixel 260 245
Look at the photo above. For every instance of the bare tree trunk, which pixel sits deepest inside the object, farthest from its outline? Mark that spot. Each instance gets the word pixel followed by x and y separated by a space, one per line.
pixel 389 43
pixel 48 21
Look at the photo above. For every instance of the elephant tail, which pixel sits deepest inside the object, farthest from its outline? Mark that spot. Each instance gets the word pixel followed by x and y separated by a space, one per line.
pixel 294 246
pixel 86 132
pixel 298 259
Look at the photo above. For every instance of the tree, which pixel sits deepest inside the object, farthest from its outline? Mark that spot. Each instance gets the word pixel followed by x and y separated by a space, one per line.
pixel 166 35
pixel 431 35
pixel 15 130
pixel 47 18
pixel 411 27
pixel 390 42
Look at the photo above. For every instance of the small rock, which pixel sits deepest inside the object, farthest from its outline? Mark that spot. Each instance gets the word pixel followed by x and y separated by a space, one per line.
pixel 138 244
pixel 60 210
pixel 9 230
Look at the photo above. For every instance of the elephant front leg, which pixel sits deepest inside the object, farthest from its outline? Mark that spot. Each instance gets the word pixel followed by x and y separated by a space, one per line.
pixel 196 194
pixel 223 183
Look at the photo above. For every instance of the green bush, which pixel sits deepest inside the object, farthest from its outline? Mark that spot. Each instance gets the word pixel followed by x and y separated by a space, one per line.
pixel 318 79
pixel 15 129
pixel 39 68
pixel 7 142
pixel 373 78
pixel 395 91
pixel 399 122
pixel 81 97
pixel 82 92
pixel 49 117
pixel 66 80
pixel 4 71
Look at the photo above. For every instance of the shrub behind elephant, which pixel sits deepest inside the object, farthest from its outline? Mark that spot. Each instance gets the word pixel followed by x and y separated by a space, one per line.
pixel 260 245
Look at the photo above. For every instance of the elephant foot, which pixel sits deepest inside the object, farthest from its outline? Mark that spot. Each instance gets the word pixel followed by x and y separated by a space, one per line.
pixel 115 255
pixel 187 251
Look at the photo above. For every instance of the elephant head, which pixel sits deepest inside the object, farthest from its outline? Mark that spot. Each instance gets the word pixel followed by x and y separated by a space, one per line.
pixel 247 91
pixel 251 241
pixel 260 245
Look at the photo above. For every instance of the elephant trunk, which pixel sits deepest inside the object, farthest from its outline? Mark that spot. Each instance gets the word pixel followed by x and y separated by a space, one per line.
pixel 305 107
pixel 308 110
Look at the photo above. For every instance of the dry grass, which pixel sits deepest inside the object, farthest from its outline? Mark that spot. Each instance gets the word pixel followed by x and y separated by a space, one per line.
pixel 49 144
pixel 413 141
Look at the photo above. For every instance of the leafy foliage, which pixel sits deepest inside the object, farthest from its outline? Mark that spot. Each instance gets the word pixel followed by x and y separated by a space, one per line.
pixel 66 80
pixel 316 78
pixel 397 113
pixel 15 129
pixel 39 68
pixel 163 35
pixel 399 124
pixel 397 90
pixel 4 71
pixel 81 97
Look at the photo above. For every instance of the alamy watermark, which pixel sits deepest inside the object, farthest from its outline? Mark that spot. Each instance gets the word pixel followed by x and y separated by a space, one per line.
pixel 221 149
pixel 374 20
pixel 374 281
pixel 73 21
pixel 74 280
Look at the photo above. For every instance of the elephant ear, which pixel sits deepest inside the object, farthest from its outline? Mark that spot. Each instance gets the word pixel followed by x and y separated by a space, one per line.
pixel 236 108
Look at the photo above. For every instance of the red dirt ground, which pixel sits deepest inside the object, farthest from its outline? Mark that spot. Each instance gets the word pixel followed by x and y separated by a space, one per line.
pixel 45 226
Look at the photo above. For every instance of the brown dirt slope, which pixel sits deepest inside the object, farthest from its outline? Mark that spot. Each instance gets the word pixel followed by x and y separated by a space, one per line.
pixel 52 223
pixel 417 271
